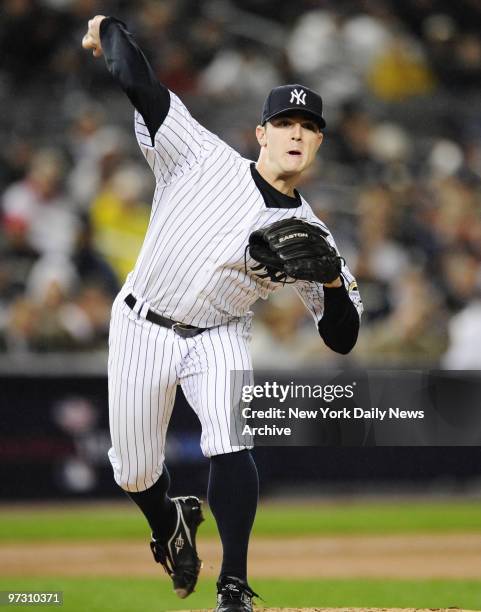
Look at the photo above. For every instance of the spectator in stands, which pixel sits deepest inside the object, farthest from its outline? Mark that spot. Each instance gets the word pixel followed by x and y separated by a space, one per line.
pixel 381 259
pixel 40 204
pixel 33 322
pixel 414 334
pixel 91 268
pixel 465 337
pixel 120 217
pixel 97 151
pixel 238 71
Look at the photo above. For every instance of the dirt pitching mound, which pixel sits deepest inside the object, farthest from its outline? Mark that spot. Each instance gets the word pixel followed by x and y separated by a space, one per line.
pixel 407 556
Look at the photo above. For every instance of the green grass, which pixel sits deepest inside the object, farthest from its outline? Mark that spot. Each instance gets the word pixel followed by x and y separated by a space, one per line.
pixel 125 522
pixel 150 595
pixel 369 518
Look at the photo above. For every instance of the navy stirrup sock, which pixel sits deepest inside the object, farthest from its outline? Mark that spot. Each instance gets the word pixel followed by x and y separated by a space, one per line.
pixel 158 508
pixel 233 494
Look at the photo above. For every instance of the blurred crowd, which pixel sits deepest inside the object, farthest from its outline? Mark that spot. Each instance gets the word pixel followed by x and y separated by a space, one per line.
pixel 398 179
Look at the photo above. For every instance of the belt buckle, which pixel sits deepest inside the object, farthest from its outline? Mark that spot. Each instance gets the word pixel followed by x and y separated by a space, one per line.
pixel 184 331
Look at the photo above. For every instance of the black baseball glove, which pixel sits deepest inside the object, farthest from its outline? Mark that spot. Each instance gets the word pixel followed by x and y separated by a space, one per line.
pixel 296 249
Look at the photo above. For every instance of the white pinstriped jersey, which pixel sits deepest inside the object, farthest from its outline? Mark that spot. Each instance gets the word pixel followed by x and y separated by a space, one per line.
pixel 206 203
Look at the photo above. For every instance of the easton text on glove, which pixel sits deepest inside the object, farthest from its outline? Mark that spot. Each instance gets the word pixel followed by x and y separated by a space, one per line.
pixel 293 248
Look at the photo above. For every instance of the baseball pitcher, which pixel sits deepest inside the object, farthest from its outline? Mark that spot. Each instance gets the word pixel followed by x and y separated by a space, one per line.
pixel 223 232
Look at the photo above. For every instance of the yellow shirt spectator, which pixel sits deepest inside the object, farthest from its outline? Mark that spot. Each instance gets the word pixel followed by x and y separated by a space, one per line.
pixel 120 219
pixel 399 73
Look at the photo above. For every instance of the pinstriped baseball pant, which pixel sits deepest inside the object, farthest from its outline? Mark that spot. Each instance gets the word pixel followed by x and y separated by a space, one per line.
pixel 146 363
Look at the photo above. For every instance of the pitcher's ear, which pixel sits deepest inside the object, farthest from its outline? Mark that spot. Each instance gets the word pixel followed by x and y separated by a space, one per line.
pixel 261 135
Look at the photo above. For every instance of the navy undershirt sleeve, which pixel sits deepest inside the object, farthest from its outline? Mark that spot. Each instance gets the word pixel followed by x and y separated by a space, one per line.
pixel 339 326
pixel 130 68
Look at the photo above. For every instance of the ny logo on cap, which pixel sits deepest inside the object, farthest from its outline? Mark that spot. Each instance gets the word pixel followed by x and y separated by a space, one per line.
pixel 299 97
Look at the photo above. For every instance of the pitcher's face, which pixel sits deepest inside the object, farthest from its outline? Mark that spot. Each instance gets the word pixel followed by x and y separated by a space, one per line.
pixel 290 143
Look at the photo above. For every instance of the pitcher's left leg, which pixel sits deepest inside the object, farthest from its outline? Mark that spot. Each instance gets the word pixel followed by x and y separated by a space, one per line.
pixel 218 359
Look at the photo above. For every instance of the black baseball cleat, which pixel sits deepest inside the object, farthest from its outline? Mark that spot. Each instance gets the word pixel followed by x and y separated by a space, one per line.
pixel 179 555
pixel 234 595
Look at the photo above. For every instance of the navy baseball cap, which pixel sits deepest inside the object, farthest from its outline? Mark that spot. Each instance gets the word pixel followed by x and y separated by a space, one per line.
pixel 293 98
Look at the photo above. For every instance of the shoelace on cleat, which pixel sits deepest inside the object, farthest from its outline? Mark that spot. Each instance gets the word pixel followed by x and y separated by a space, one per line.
pixel 160 555
pixel 237 592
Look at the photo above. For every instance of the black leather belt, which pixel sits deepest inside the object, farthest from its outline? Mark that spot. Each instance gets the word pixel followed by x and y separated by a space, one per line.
pixel 185 331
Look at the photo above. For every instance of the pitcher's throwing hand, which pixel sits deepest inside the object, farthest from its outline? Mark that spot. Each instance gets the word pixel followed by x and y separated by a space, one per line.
pixel 91 40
